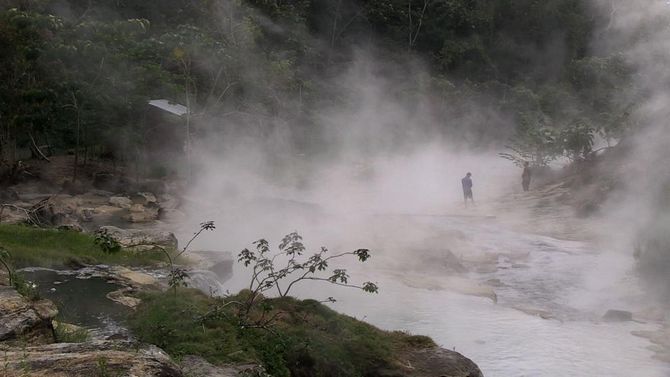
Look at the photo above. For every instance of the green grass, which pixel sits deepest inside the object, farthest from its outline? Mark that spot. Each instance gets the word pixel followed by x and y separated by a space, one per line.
pixel 69 334
pixel 308 339
pixel 35 247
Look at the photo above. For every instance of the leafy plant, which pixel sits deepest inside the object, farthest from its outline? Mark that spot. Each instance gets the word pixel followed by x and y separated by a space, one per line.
pixel 268 274
pixel 577 140
pixel 106 242
pixel 177 278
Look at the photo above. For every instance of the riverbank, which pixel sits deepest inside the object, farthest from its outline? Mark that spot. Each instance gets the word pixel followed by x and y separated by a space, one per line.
pixel 306 339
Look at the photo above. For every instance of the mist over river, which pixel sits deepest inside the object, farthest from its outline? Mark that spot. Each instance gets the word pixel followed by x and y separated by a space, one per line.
pixel 551 295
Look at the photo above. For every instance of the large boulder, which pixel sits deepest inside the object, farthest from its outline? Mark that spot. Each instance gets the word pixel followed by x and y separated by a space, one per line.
pixel 436 361
pixel 20 317
pixel 93 358
pixel 140 238
pixel 14 214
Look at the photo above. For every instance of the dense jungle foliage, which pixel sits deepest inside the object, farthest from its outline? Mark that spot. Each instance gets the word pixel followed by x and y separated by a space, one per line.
pixel 76 75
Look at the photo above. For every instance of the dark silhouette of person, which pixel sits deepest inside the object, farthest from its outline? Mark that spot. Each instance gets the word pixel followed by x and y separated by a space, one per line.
pixel 466 182
pixel 525 177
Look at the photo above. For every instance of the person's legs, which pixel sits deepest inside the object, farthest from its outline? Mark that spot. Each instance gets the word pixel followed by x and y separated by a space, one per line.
pixel 468 195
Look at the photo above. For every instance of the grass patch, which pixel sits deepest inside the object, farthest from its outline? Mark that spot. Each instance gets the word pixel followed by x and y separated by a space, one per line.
pixel 36 247
pixel 65 333
pixel 25 288
pixel 307 339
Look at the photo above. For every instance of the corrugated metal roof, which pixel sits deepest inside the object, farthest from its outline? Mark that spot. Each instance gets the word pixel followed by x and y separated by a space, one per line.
pixel 173 108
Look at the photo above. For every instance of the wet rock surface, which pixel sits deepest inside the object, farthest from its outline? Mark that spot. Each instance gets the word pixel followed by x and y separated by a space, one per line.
pixel 93 358
pixel 21 318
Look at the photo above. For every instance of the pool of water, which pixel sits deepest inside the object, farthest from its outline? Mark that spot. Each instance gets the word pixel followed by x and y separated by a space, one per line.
pixel 81 300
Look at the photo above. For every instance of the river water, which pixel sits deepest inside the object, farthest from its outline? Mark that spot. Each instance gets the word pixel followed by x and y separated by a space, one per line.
pixel 547 319
pixel 567 282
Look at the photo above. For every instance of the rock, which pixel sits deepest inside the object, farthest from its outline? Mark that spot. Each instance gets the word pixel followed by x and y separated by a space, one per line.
pixel 618 316
pixel 141 214
pixel 141 239
pixel 46 309
pixel 223 270
pixel 436 362
pixel 106 210
pixel 85 214
pixel 144 198
pixel 206 282
pixel 20 317
pixel 71 226
pixel 219 262
pixel 544 314
pixel 92 358
pixel 134 278
pixel 67 327
pixel 100 193
pixel 137 208
pixel 121 297
pixel 61 211
pixel 197 366
pixel 13 215
pixel 120 202
pixel 437 260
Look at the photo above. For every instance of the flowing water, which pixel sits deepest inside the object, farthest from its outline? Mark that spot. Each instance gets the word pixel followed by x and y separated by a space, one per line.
pixel 547 319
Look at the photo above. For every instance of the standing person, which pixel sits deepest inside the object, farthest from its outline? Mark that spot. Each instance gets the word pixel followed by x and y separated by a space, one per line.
pixel 525 176
pixel 466 182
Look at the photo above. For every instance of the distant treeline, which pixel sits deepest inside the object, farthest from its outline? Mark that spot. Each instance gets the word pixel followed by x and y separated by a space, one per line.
pixel 78 73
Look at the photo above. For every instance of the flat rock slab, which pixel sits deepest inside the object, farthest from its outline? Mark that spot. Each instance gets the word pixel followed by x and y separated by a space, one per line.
pixel 195 366
pixel 94 358
pixel 141 239
pixel 134 277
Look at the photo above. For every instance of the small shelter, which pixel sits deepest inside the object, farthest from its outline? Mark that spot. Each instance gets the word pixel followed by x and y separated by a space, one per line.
pixel 165 135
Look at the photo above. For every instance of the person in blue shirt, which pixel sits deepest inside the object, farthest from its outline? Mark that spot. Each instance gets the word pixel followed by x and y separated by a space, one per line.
pixel 466 182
